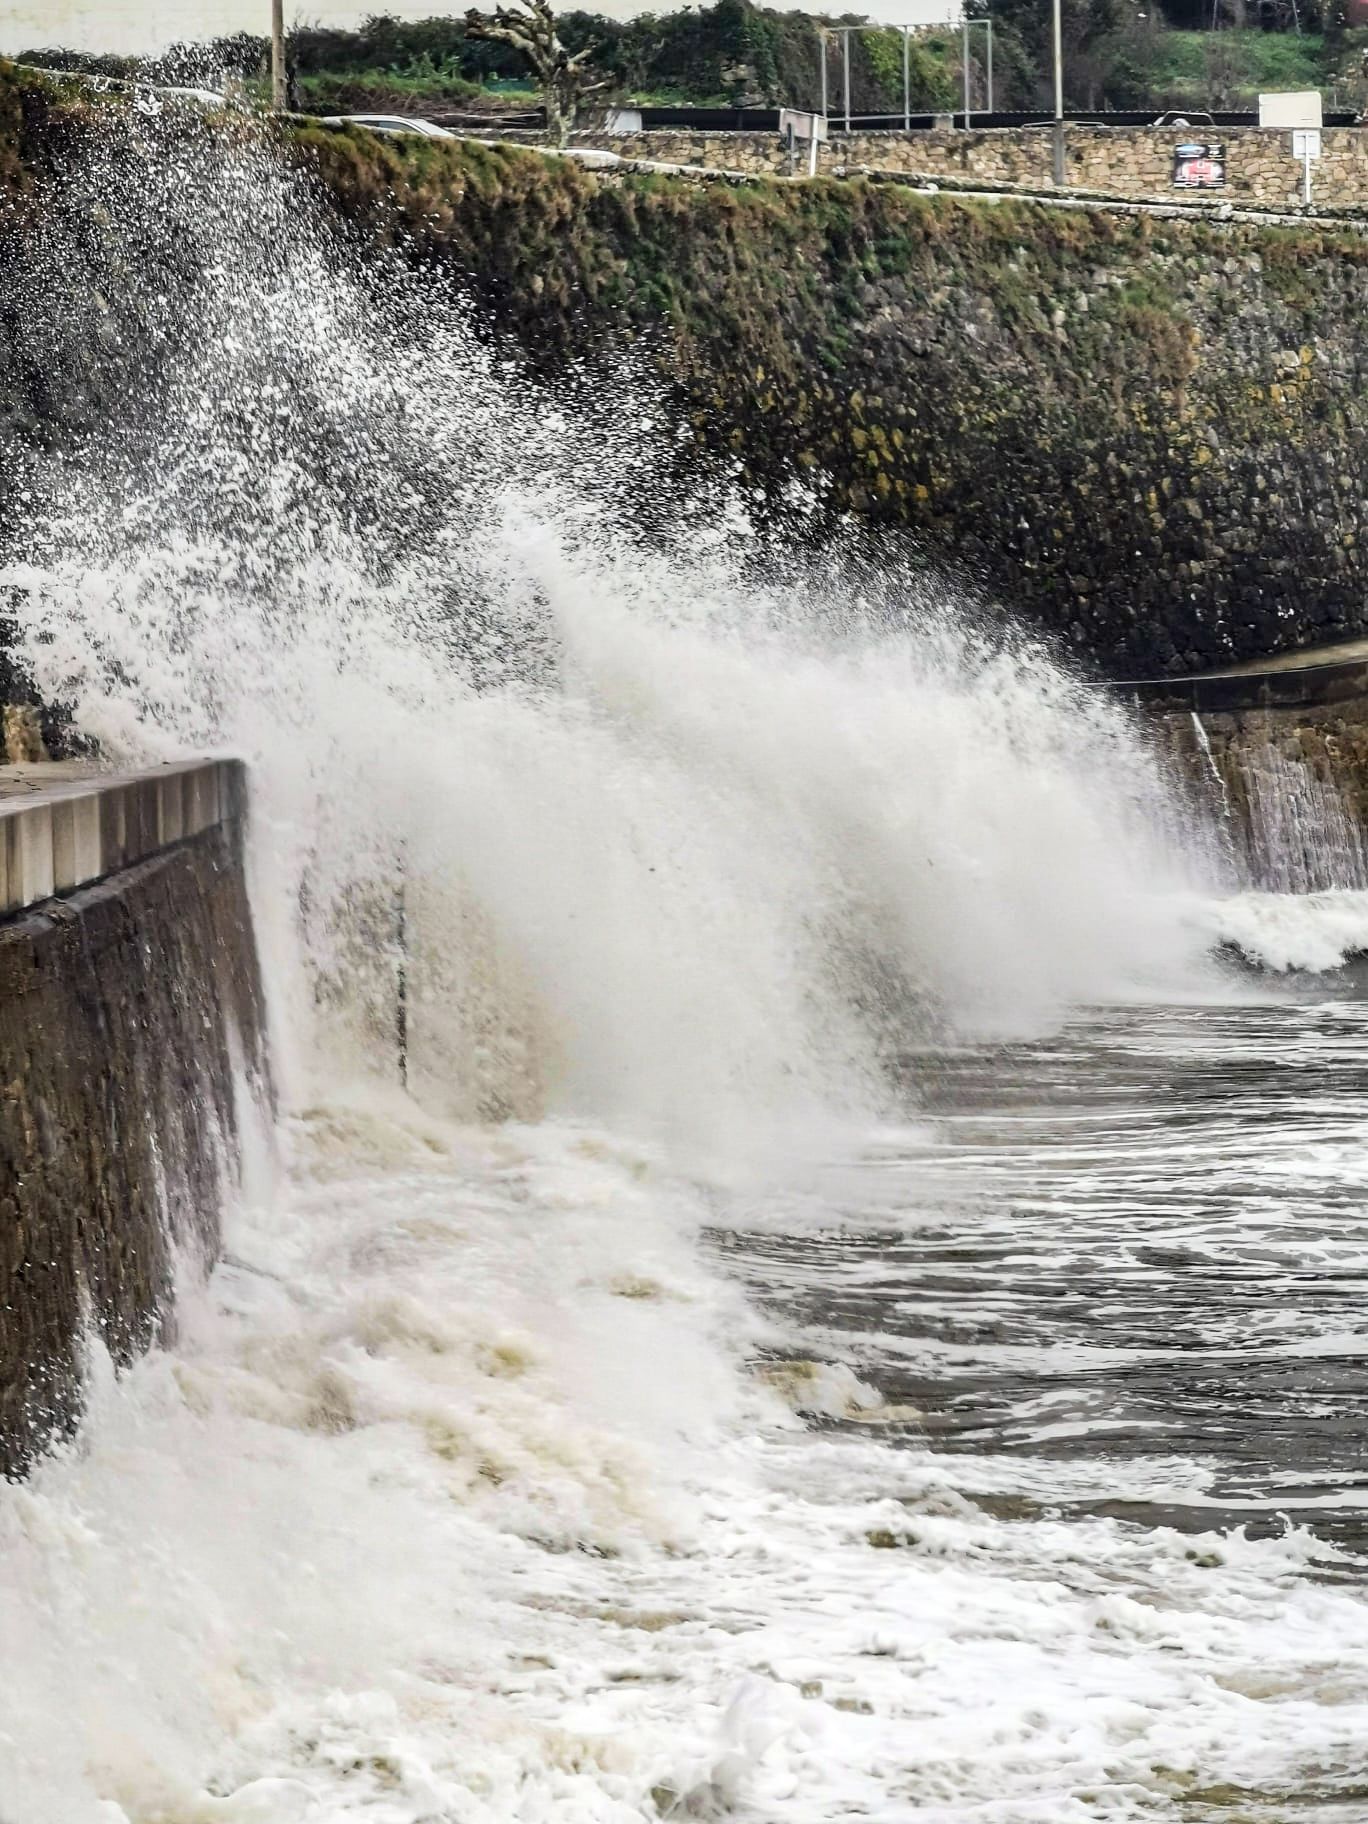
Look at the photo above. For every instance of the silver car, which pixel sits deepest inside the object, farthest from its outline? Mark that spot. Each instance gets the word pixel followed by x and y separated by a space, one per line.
pixel 388 123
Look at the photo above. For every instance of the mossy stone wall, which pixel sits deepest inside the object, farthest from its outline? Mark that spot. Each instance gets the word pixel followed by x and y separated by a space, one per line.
pixel 1149 436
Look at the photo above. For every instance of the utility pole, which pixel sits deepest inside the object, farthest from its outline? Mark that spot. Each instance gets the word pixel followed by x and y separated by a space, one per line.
pixel 989 35
pixel 966 72
pixel 278 55
pixel 969 25
pixel 826 33
pixel 907 78
pixel 1058 96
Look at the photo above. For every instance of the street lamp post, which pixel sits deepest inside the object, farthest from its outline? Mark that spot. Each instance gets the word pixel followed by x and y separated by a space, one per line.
pixel 278 55
pixel 988 24
pixel 965 60
pixel 968 26
pixel 826 33
pixel 1058 96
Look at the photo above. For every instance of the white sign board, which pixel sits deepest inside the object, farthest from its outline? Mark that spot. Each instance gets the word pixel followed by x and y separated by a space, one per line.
pixel 805 126
pixel 1291 110
pixel 1306 144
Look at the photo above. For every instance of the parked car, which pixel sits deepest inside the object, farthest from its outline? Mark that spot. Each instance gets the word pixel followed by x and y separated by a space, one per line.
pixel 388 123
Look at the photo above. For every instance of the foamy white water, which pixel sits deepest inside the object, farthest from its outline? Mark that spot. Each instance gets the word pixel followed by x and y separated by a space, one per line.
pixel 453 1504
pixel 460 1497
pixel 1313 932
pixel 455 635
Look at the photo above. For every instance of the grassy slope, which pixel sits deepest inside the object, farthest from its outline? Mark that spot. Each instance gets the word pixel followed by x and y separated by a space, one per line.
pixel 1181 62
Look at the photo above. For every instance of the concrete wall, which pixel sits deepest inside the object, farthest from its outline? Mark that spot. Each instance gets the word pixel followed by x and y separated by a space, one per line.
pixel 126 996
pixel 61 826
pixel 1127 162
pixel 1281 759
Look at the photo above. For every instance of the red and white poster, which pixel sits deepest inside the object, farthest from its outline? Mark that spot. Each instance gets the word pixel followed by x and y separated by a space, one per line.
pixel 1199 165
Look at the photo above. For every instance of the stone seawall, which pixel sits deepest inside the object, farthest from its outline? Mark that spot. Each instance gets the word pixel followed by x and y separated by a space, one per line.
pixel 129 993
pixel 1126 162
pixel 1147 436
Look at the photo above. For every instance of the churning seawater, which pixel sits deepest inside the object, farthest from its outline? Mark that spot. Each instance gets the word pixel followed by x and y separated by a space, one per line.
pixel 855 1312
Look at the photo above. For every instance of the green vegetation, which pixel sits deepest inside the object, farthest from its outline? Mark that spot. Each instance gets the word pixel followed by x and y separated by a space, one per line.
pixel 727 54
pixel 399 91
pixel 565 77
pixel 1152 66
pixel 1260 60
pixel 1166 55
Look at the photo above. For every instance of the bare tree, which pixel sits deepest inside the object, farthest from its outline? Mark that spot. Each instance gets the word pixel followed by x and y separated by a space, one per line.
pixel 530 27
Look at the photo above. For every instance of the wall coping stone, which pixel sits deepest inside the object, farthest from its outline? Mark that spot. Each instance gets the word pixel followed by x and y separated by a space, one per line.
pixel 1306 687
pixel 66 824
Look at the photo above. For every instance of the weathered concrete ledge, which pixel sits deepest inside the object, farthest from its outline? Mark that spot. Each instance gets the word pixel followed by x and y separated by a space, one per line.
pixel 1232 692
pixel 65 824
pixel 129 1009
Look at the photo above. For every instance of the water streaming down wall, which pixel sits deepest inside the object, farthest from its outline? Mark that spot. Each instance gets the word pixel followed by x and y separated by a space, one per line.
pixel 1303 834
pixel 1285 780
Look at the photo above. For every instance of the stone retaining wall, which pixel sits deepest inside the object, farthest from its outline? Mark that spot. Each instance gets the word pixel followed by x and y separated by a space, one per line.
pixel 1127 162
pixel 1144 433
pixel 126 1002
